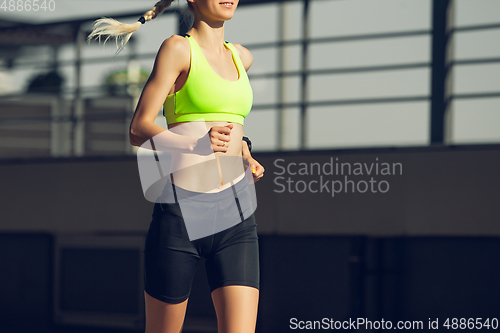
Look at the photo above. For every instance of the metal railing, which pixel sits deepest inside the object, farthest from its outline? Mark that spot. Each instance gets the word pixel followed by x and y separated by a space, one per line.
pixel 79 125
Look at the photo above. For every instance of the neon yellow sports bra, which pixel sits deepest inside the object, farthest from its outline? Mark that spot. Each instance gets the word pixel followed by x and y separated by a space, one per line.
pixel 208 97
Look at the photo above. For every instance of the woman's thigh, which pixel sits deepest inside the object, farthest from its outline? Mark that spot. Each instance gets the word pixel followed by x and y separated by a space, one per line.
pixel 234 259
pixel 170 258
pixel 236 308
pixel 233 275
pixel 163 317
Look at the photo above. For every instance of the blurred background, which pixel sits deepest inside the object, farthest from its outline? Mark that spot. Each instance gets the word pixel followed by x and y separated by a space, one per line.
pixel 339 84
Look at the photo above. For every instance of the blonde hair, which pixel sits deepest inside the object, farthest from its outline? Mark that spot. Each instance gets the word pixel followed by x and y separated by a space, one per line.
pixel 121 31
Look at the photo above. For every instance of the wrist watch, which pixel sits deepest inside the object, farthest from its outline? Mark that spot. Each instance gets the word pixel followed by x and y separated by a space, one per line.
pixel 249 143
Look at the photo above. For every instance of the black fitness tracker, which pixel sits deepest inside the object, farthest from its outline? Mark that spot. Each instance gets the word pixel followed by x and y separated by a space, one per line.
pixel 249 143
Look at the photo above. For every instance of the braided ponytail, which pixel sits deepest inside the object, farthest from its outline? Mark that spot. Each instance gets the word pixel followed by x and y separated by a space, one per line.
pixel 121 31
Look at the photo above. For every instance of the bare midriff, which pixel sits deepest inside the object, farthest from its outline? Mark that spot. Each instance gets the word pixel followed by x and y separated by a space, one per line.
pixel 208 173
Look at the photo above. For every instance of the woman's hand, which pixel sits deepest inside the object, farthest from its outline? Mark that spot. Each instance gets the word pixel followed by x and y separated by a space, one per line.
pixel 220 137
pixel 256 168
pixel 216 140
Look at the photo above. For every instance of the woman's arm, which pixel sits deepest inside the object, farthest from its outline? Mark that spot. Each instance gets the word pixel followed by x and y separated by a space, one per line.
pixel 257 169
pixel 172 59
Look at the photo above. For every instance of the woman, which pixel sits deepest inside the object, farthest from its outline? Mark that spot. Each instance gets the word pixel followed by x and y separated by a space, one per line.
pixel 201 81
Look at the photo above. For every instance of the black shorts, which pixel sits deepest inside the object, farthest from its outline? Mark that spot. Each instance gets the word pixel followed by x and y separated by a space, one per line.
pixel 171 258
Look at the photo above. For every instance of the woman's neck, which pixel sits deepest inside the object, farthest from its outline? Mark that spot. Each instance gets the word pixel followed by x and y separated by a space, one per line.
pixel 209 36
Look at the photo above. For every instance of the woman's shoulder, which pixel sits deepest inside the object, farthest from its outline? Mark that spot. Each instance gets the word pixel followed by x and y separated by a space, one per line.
pixel 245 55
pixel 176 44
pixel 175 51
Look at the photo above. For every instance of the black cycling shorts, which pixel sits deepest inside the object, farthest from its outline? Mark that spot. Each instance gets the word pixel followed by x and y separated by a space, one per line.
pixel 171 258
